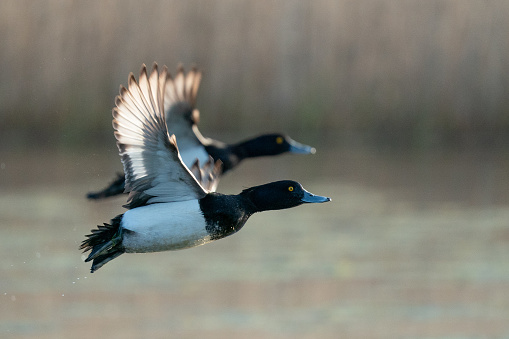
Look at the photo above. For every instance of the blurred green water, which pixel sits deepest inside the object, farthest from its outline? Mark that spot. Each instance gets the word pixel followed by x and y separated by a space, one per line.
pixel 401 251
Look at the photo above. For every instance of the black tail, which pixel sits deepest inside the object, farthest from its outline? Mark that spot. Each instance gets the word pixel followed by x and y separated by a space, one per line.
pixel 105 243
pixel 115 188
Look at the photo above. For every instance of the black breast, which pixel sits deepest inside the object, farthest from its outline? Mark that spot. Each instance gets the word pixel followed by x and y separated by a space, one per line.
pixel 224 214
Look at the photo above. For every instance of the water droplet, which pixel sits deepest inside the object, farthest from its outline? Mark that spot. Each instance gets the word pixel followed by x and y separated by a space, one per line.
pixel 74 282
pixel 62 295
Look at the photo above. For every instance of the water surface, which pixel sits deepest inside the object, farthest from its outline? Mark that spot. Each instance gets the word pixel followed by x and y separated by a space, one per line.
pixel 412 246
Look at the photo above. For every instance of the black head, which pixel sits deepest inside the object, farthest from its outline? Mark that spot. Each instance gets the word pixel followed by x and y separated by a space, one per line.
pixel 273 144
pixel 279 195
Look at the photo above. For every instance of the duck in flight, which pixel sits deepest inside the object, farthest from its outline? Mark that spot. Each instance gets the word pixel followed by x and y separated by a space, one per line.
pixel 168 206
pixel 182 118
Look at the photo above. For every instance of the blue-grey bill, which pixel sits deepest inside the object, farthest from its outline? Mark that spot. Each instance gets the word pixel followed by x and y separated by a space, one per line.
pixel 311 198
pixel 296 147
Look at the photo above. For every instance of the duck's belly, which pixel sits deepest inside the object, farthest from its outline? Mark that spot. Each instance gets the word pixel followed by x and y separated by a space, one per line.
pixel 164 227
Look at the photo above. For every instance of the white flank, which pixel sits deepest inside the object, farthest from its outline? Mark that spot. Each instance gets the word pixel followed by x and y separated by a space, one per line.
pixel 164 227
pixel 189 155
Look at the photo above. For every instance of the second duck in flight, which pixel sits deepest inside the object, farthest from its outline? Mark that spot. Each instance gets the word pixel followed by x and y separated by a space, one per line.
pixel 182 118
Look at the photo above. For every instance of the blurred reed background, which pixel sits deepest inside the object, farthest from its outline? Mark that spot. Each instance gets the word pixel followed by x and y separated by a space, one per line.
pixel 400 73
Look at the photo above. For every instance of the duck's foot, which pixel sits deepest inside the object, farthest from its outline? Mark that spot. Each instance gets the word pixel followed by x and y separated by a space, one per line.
pixel 115 188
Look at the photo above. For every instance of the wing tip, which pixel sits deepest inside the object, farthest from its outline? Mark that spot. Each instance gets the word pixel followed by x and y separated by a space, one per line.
pixel 143 69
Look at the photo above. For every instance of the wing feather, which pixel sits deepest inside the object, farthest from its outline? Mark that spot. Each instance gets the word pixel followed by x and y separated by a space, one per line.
pixel 208 174
pixel 153 167
pixel 181 115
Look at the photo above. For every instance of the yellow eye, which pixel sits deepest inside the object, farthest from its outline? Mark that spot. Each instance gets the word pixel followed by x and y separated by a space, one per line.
pixel 279 140
pixel 290 188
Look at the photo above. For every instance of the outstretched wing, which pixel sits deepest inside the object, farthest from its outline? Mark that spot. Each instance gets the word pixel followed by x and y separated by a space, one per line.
pixel 180 97
pixel 153 168
pixel 182 116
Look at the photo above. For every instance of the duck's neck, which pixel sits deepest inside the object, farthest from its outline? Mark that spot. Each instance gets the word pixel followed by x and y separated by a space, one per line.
pixel 232 155
pixel 249 149
pixel 225 214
